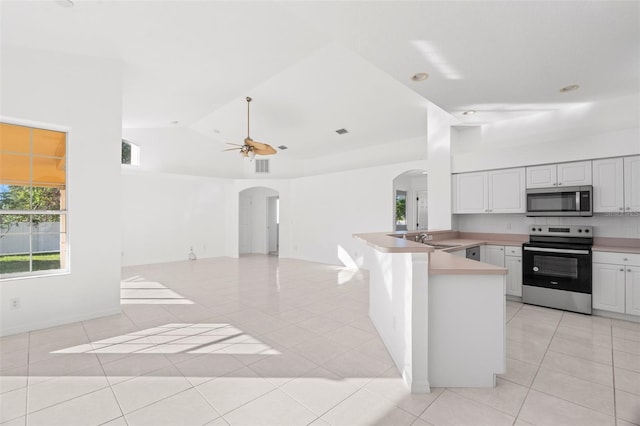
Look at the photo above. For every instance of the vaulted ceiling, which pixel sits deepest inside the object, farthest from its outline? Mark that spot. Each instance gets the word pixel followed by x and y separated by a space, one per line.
pixel 315 67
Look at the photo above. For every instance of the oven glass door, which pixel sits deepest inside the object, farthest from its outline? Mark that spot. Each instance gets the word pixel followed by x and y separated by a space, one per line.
pixel 558 268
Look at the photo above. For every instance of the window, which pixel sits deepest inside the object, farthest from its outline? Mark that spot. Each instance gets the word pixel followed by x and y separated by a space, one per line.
pixel 33 214
pixel 130 153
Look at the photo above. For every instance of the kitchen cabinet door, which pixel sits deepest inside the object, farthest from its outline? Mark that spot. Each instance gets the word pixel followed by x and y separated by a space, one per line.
pixel 632 281
pixel 471 193
pixel 632 183
pixel 609 287
pixel 507 191
pixel 494 255
pixel 574 174
pixel 608 185
pixel 514 277
pixel 542 176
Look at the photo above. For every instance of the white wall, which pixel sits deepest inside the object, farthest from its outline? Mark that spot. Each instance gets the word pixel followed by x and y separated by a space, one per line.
pixel 165 215
pixel 607 129
pixel 83 95
pixel 328 209
pixel 439 154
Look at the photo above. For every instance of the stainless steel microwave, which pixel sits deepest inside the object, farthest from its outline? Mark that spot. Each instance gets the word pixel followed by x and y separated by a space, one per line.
pixel 560 201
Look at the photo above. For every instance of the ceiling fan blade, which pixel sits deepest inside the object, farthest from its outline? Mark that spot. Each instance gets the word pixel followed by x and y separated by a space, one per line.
pixel 230 143
pixel 260 148
pixel 231 149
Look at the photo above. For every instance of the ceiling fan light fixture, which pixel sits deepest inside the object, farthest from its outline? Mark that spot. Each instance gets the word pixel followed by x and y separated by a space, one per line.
pixel 342 131
pixel 469 112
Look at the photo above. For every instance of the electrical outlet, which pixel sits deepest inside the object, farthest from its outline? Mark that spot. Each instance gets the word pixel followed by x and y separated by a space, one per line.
pixel 14 303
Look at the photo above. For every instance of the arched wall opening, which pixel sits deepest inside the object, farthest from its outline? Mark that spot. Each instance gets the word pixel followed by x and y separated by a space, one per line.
pixel 409 201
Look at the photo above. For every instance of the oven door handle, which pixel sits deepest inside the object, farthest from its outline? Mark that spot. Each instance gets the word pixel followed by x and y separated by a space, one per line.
pixel 555 250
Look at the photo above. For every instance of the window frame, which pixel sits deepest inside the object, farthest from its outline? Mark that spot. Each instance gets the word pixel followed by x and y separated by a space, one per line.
pixel 62 212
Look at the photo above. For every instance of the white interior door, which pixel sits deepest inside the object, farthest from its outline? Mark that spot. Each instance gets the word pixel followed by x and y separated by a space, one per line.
pixel 422 210
pixel 273 222
pixel 244 239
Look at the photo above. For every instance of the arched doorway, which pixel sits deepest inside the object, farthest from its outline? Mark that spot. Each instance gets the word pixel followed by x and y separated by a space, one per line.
pixel 410 208
pixel 258 221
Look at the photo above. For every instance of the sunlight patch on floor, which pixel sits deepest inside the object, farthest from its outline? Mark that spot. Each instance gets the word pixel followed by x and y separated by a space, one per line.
pixel 218 338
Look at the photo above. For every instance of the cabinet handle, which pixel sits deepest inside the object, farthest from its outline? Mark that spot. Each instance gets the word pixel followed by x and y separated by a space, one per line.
pixel 621 269
pixel 519 260
pixel 628 208
pixel 559 183
pixel 625 259
pixel 621 208
pixel 629 270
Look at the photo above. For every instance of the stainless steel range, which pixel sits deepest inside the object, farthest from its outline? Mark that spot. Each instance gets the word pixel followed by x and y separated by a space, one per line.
pixel 556 269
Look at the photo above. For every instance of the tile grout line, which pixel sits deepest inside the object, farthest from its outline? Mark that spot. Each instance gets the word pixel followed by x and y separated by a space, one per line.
pixel 613 376
pixel 517 417
pixel 108 382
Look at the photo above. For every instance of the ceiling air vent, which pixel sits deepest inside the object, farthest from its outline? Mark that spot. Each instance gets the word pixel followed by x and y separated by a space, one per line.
pixel 262 166
pixel 342 131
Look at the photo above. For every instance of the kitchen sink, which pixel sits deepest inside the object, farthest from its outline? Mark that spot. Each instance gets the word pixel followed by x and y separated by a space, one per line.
pixel 443 246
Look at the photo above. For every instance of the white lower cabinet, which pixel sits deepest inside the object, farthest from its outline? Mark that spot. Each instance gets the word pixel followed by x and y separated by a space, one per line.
pixel 608 287
pixel 616 282
pixel 632 280
pixel 494 255
pixel 514 275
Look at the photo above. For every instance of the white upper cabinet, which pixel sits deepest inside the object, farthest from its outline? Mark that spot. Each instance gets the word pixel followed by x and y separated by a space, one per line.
pixel 616 185
pixel 471 193
pixel 563 174
pixel 608 187
pixel 507 191
pixel 542 176
pixel 574 174
pixel 632 184
pixel 498 191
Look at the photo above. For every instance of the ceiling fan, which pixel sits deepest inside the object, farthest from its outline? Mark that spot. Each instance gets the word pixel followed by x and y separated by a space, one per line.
pixel 252 148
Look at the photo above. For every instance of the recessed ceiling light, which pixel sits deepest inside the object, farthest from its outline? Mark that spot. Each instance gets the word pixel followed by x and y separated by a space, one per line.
pixel 470 112
pixel 570 88
pixel 421 76
pixel 282 147
pixel 342 131
pixel 175 122
pixel 216 131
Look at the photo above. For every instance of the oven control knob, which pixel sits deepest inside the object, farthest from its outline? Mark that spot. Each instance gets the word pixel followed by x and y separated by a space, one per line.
pixel 580 230
pixel 586 231
pixel 540 229
pixel 533 229
pixel 536 269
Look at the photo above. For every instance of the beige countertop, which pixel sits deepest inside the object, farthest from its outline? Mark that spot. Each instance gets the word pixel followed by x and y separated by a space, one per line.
pixel 440 262
pixel 443 262
pixel 384 242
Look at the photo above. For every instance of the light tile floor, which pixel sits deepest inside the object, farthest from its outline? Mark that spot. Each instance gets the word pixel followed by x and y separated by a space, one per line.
pixel 267 341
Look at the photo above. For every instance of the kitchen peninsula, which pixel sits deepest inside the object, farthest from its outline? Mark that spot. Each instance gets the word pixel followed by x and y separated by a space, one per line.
pixel 441 317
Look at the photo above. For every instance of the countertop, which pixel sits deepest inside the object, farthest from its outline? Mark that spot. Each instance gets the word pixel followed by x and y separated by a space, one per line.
pixel 441 261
